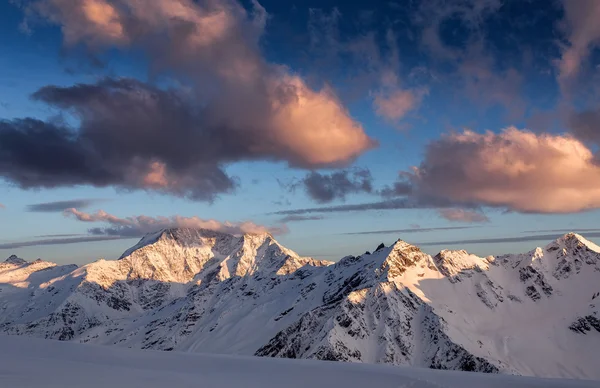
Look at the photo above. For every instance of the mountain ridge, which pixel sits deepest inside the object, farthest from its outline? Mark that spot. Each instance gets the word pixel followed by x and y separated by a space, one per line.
pixel 198 290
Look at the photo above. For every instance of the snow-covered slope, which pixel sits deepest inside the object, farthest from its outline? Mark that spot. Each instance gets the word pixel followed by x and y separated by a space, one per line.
pixel 34 363
pixel 203 291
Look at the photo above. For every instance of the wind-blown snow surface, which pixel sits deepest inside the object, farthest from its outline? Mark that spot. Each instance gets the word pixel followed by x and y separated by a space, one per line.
pixel 201 291
pixel 33 363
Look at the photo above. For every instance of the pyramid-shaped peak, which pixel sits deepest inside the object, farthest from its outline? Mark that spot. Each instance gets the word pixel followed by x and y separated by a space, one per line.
pixel 571 236
pixel 401 256
pixel 191 234
pixel 13 259
pixel 194 235
pixel 401 245
pixel 572 241
pixel 184 237
pixel 258 236
pixel 179 254
pixel 452 262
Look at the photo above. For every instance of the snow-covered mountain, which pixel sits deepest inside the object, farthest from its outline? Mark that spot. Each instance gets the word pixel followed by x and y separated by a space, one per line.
pixel 203 291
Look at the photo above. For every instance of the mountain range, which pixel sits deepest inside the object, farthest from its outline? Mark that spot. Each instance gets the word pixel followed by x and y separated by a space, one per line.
pixel 197 290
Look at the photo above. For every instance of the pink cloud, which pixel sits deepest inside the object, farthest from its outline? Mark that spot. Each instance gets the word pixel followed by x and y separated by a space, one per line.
pixel 217 43
pixel 374 66
pixel 462 215
pixel 515 169
pixel 582 32
pixel 391 100
pixel 487 87
pixel 396 104
pixel 312 127
pixel 95 21
pixel 99 216
pixel 140 225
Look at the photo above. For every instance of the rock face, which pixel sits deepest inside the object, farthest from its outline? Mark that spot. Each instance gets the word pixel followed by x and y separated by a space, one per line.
pixel 203 291
pixel 14 260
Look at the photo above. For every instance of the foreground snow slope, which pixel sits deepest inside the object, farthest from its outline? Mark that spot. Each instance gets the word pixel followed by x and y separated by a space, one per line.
pixel 192 290
pixel 33 363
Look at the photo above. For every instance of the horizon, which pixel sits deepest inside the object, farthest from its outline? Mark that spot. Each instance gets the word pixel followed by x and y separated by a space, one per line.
pixel 335 126
pixel 547 238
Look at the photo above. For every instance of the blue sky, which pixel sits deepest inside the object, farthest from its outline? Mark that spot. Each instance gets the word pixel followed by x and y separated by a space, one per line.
pixel 412 76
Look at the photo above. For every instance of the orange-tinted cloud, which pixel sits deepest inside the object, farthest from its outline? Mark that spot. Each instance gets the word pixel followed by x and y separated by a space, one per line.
pixel 219 38
pixel 236 106
pixel 395 104
pixel 515 169
pixel 140 225
pixel 96 21
pixel 462 215
pixel 582 33
pixel 312 128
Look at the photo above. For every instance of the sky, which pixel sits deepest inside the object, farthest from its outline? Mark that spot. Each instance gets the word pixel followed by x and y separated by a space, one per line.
pixel 335 126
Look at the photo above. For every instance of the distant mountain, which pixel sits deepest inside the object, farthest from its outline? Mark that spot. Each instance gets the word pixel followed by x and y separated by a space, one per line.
pixel 203 291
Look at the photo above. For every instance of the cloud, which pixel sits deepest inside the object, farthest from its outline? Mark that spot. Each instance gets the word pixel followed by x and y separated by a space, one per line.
pixel 485 84
pixel 59 235
pixel 297 218
pixel 57 241
pixel 370 64
pixel 462 215
pixel 469 14
pixel 138 226
pixel 59 206
pixel 454 34
pixel 399 188
pixel 391 204
pixel 391 101
pixel 585 125
pixel 563 230
pixel 396 103
pixel 582 34
pixel 501 240
pixel 282 201
pixel 235 106
pixel 411 230
pixel 515 169
pixel 324 188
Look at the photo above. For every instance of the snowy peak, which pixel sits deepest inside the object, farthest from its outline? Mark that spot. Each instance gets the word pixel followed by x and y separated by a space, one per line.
pixel 568 255
pixel 14 260
pixel 169 255
pixel 572 243
pixel 453 262
pixel 402 256
pixel 262 253
pixel 184 237
pixel 200 290
pixel 181 254
pixel 257 253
